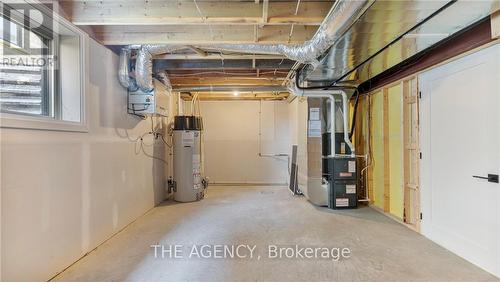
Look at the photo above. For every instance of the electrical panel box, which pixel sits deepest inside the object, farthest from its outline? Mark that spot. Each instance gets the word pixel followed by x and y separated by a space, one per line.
pixel 155 103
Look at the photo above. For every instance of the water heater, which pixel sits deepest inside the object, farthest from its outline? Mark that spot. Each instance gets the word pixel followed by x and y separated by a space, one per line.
pixel 189 181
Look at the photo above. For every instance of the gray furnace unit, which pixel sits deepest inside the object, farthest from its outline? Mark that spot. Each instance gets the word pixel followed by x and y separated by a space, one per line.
pixel 190 185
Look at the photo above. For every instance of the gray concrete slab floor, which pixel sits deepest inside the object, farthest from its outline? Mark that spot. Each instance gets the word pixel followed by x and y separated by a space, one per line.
pixel 268 217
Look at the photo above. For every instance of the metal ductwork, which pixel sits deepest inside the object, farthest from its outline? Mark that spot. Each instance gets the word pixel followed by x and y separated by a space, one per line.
pixel 409 28
pixel 351 58
pixel 342 15
pixel 340 18
pixel 163 77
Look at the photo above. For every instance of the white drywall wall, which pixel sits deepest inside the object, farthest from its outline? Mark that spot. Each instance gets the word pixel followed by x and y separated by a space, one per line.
pixel 298 127
pixel 63 193
pixel 293 120
pixel 232 141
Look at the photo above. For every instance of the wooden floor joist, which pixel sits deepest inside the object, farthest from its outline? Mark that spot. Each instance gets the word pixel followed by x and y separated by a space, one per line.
pixel 185 12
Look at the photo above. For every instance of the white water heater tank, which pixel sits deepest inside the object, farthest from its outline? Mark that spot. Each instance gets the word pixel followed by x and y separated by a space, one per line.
pixel 190 184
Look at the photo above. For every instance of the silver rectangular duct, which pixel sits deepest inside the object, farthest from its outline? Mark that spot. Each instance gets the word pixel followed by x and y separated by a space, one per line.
pixel 391 32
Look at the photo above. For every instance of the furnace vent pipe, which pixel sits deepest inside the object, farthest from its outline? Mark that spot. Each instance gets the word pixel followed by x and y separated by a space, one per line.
pixel 293 89
pixel 345 112
pixel 331 98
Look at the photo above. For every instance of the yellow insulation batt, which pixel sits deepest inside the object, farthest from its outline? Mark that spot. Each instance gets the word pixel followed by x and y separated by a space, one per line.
pixel 396 150
pixel 377 142
pixel 380 159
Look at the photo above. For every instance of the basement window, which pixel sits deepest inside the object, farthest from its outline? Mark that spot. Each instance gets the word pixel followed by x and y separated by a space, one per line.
pixel 41 70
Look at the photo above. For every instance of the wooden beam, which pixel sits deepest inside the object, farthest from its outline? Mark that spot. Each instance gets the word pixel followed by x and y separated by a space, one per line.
pixel 156 12
pixel 371 140
pixel 495 25
pixel 255 33
pixel 407 140
pixel 199 34
pixel 265 11
pixel 198 51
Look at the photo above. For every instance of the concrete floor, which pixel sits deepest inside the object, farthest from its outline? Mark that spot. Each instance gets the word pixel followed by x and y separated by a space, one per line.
pixel 381 249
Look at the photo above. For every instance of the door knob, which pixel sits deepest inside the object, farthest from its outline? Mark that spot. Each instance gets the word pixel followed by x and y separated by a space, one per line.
pixel 491 177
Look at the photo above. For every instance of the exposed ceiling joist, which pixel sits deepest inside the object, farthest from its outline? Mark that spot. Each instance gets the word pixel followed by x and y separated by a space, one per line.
pixel 198 23
pixel 265 11
pixel 200 34
pixel 155 12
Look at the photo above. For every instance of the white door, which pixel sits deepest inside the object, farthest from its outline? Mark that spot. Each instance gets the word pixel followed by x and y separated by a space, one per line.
pixel 460 138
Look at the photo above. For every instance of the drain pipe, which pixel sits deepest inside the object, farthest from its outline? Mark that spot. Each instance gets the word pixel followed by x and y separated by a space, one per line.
pixel 331 98
pixel 347 140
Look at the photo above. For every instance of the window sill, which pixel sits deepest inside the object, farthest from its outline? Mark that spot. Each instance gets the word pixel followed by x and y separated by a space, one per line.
pixel 40 123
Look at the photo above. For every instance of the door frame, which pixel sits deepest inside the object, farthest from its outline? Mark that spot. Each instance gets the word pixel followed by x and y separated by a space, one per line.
pixel 411 152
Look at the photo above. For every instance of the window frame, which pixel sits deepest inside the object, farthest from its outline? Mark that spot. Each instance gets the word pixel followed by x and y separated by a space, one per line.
pixel 54 120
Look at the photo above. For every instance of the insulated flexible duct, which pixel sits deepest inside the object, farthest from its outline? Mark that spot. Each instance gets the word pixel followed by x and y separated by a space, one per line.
pixel 342 15
pixel 162 76
pixel 124 71
pixel 144 64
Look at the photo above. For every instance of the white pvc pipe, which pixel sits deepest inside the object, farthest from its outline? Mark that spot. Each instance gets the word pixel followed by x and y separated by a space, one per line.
pixel 329 94
pixel 346 122
pixel 332 126
pixel 324 94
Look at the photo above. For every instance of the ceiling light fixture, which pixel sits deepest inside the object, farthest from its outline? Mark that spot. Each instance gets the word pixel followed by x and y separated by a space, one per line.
pixel 236 93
